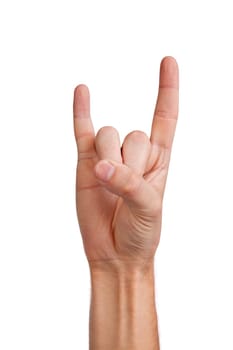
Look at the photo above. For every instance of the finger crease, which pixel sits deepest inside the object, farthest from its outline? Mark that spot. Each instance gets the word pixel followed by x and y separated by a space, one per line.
pixel 165 115
pixel 85 155
pixel 88 187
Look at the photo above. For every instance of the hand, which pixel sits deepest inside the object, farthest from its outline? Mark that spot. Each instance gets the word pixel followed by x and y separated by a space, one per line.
pixel 119 191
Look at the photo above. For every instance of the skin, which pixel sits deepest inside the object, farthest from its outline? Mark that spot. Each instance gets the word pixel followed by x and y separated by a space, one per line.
pixel 119 196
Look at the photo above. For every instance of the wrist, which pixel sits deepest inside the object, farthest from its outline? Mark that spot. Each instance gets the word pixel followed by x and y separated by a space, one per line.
pixel 127 268
pixel 123 309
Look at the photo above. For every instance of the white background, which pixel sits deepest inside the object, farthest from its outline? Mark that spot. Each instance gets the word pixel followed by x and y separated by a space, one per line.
pixel 115 47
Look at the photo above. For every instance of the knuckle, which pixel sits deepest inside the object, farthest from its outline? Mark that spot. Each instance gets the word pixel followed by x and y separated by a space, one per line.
pixel 166 113
pixel 86 145
pixel 138 136
pixel 131 185
pixel 107 130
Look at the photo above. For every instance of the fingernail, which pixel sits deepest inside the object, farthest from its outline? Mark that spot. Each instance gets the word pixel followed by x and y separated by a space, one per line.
pixel 104 170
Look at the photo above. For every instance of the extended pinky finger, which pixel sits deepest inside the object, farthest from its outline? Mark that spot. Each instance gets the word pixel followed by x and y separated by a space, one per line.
pixel 166 110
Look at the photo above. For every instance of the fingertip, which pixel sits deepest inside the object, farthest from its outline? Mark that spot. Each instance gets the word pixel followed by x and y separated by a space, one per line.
pixel 169 73
pixel 81 90
pixel 81 102
pixel 169 59
pixel 81 87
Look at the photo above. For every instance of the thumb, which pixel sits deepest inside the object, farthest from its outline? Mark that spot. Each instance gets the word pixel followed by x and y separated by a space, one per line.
pixel 124 182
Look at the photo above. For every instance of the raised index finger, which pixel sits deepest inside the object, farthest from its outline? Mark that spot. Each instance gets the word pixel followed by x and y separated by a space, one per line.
pixel 166 110
pixel 83 127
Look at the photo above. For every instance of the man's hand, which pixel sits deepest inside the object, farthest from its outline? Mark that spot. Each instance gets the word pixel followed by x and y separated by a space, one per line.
pixel 120 190
pixel 119 205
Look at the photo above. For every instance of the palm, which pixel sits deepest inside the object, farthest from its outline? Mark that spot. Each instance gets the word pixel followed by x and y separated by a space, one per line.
pixel 109 227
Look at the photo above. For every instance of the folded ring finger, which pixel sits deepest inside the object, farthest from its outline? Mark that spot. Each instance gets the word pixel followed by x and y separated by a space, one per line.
pixel 136 150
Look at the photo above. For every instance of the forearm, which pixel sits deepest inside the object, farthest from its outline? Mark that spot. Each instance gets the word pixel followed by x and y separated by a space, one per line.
pixel 122 312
